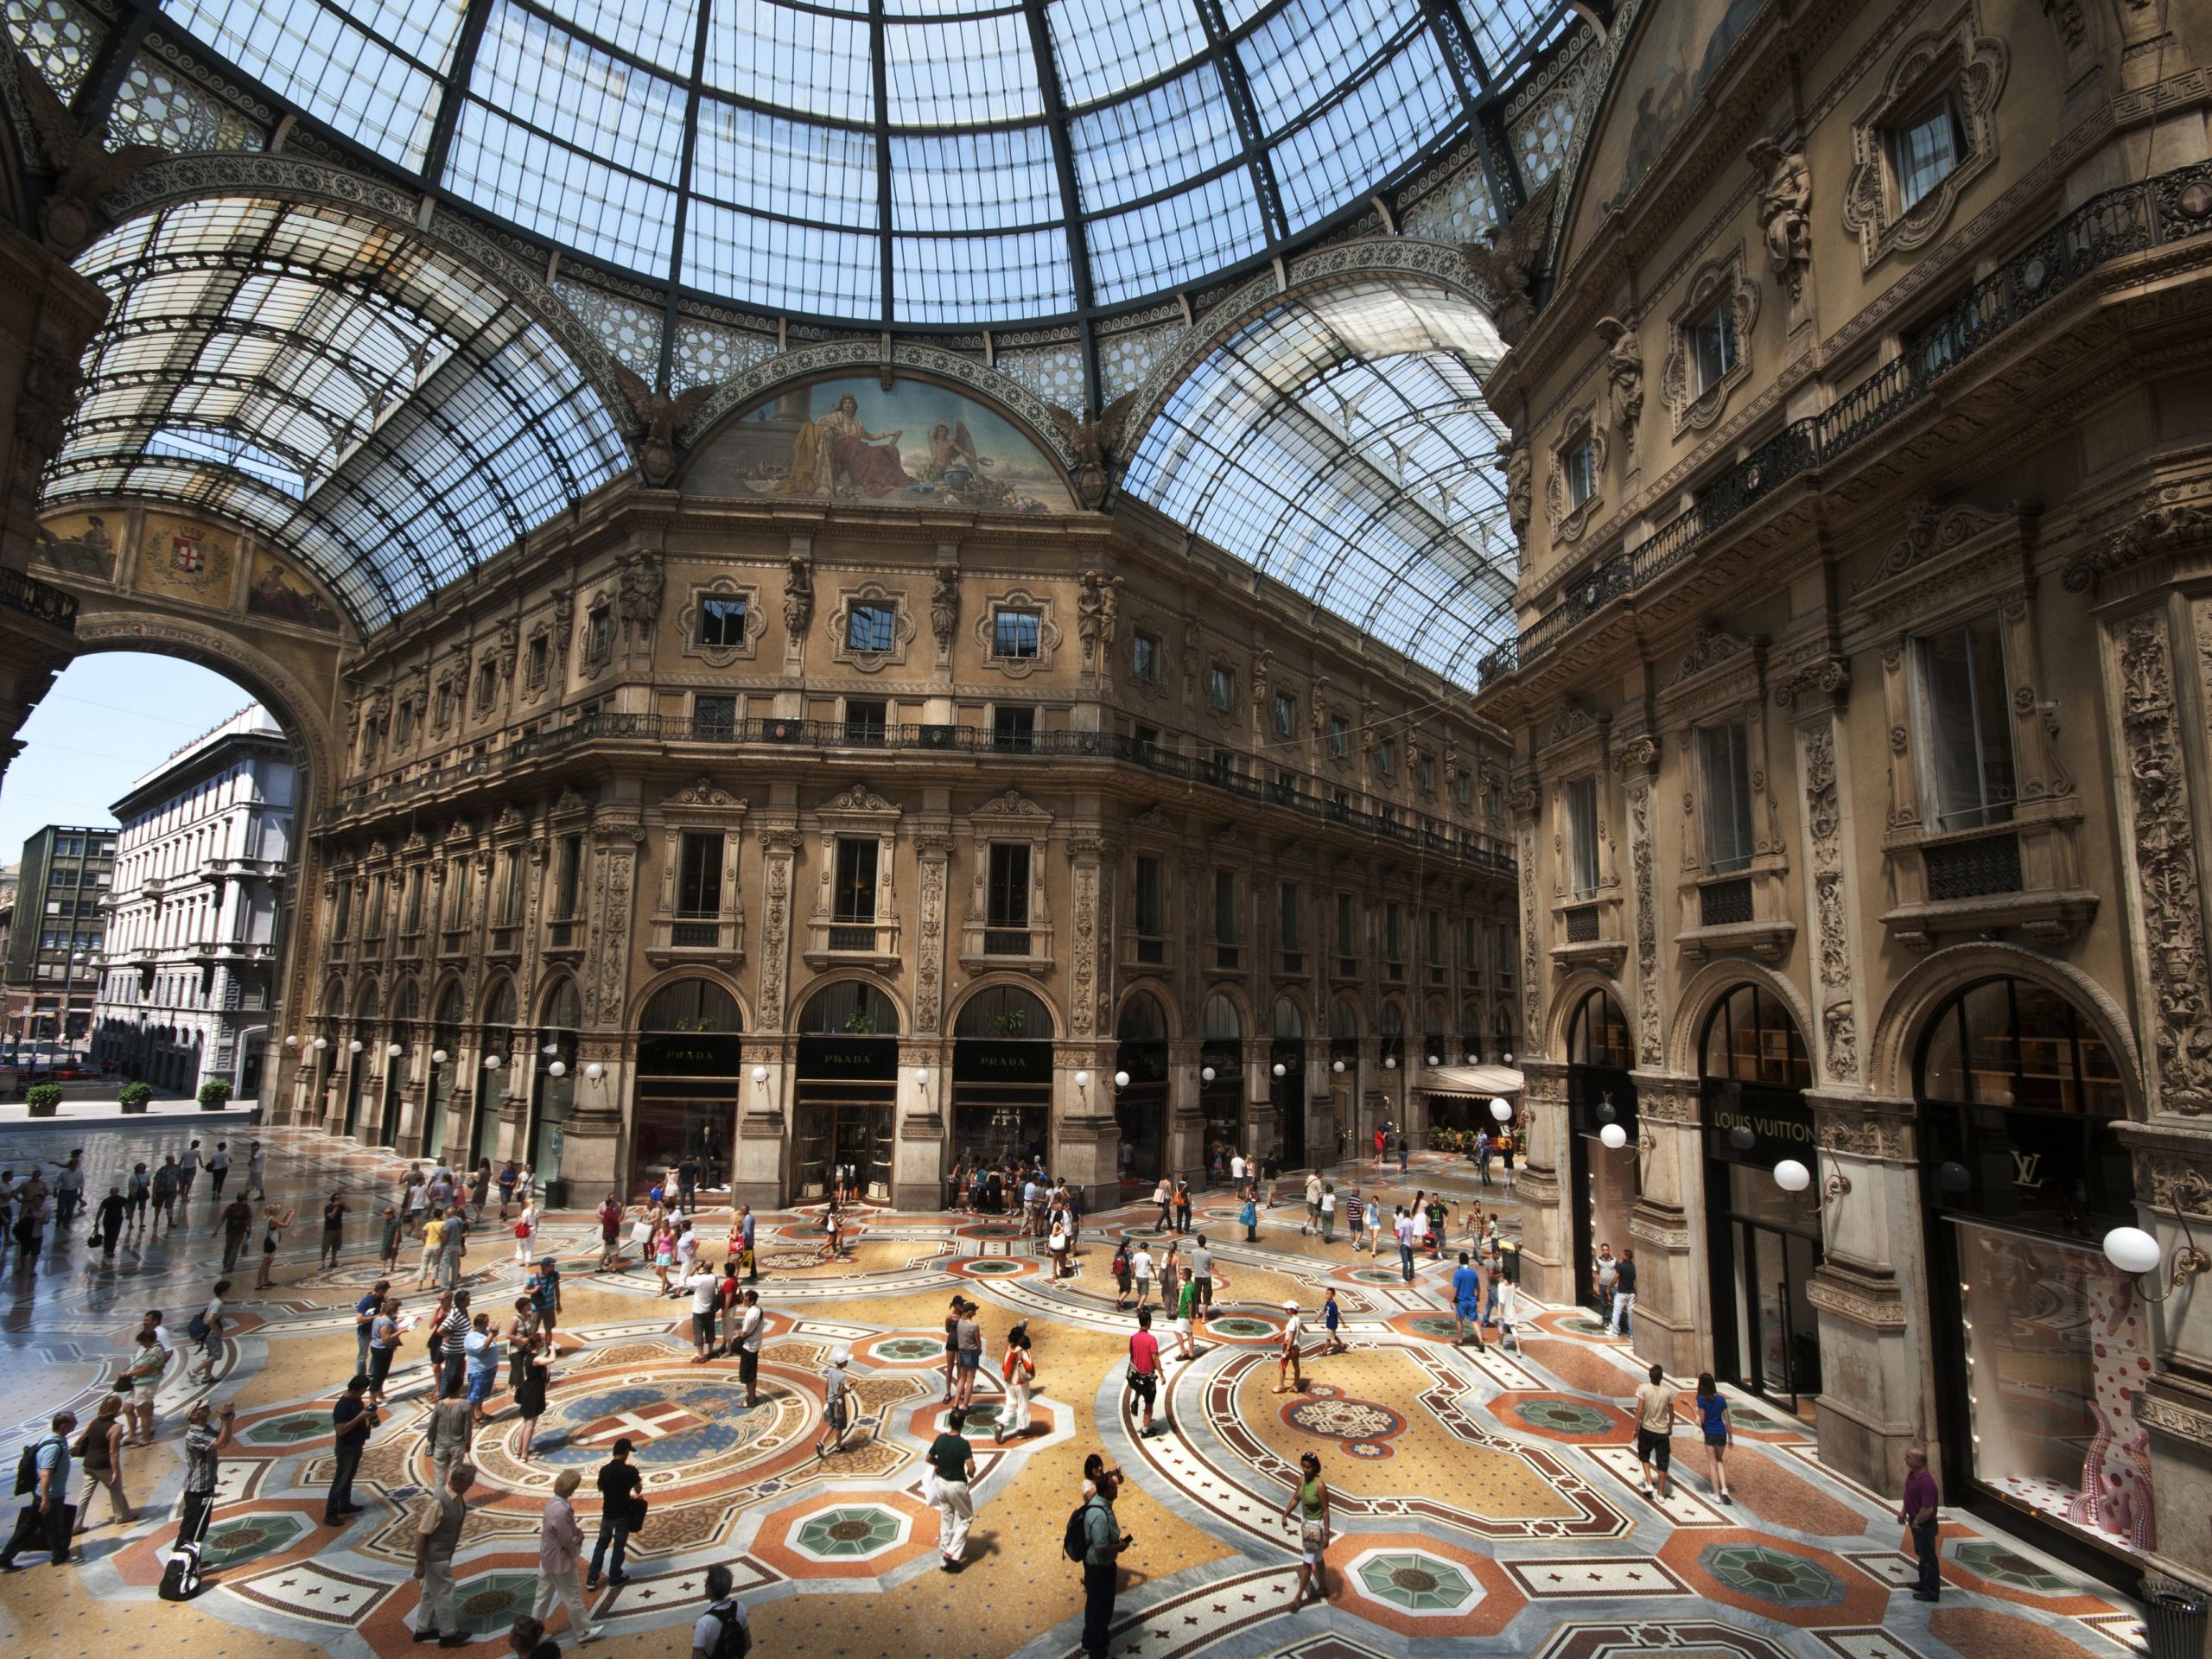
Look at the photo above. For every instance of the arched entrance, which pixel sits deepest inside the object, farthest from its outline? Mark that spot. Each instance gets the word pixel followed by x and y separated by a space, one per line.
pixel 1344 1076
pixel 553 1093
pixel 445 1068
pixel 1221 1077
pixel 848 1088
pixel 1286 1080
pixel 360 1054
pixel 406 1017
pixel 2039 1338
pixel 1387 1103
pixel 1002 1076
pixel 690 1058
pixel 1764 1242
pixel 1140 1104
pixel 1599 1095
pixel 495 1069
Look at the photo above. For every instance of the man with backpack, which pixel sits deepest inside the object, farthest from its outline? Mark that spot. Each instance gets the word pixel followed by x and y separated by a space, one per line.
pixel 724 1631
pixel 1099 1548
pixel 205 1330
pixel 42 1476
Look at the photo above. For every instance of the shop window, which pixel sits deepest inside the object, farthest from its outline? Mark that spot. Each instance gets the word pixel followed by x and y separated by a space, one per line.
pixel 2010 1043
pixel 1144 658
pixel 871 628
pixel 1286 714
pixel 1582 835
pixel 1965 724
pixel 1221 688
pixel 1015 634
pixel 1924 149
pixel 1725 755
pixel 1713 346
pixel 713 719
pixel 853 895
pixel 1750 1038
pixel 721 623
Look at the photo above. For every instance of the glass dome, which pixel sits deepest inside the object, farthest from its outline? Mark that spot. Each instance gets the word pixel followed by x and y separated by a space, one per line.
pixel 918 162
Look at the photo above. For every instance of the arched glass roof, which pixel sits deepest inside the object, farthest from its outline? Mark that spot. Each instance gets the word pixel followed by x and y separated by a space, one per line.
pixel 386 415
pixel 918 162
pixel 1340 444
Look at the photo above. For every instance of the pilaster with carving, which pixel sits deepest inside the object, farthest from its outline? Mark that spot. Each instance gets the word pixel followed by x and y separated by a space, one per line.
pixel 779 846
pixel 1090 856
pixel 933 843
pixel 1813 692
pixel 1637 761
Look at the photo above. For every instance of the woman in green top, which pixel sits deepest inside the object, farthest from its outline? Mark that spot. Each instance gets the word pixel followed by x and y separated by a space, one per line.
pixel 1310 1496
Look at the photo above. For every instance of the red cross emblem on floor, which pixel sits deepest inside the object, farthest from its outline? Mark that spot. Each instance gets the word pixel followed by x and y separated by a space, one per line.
pixel 646 1423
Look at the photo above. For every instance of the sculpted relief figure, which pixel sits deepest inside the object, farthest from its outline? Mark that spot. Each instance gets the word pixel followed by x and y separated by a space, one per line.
pixel 1095 438
pixel 1785 204
pixel 1623 374
pixel 798 595
pixel 1520 484
pixel 662 417
pixel 945 605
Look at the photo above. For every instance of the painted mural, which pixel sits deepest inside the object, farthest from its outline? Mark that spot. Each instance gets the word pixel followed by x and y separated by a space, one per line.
pixel 1676 50
pixel 81 544
pixel 282 594
pixel 849 440
pixel 184 559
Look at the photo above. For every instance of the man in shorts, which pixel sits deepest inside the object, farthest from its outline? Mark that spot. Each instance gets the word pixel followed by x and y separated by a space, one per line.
pixel 1468 1300
pixel 1293 1330
pixel 706 1302
pixel 1654 1430
pixel 749 1331
pixel 1140 1265
pixel 1143 1384
pixel 1312 1204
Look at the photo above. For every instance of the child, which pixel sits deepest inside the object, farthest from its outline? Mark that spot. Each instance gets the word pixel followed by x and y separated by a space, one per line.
pixel 836 1404
pixel 1330 1317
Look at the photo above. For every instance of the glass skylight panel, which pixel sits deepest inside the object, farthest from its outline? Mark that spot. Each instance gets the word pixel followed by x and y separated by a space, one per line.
pixel 1305 51
pixel 770 262
pixel 659 31
pixel 801 170
pixel 999 179
pixel 981 278
pixel 1158 140
pixel 1504 27
pixel 329 66
pixel 569 197
pixel 807 62
pixel 540 76
pixel 964 72
pixel 1176 239
pixel 225 449
pixel 1367 134
pixel 1104 47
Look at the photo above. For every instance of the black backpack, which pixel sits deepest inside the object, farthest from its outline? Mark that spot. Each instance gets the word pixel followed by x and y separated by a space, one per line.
pixel 1077 1544
pixel 26 1464
pixel 732 1640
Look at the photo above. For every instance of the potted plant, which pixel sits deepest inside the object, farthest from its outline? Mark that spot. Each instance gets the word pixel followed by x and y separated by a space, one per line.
pixel 43 1098
pixel 134 1095
pixel 214 1095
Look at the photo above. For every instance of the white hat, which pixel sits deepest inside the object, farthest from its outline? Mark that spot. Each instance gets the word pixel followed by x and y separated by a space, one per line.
pixel 842 1356
pixel 1292 1306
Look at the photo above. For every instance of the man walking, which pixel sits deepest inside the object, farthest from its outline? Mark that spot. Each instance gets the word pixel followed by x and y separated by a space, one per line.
pixel 437 1535
pixel 257 1171
pixel 453 1339
pixel 1406 1232
pixel 1201 1282
pixel 1654 1430
pixel 1918 1514
pixel 219 1168
pixel 108 1222
pixel 1104 1543
pixel 353 1417
pixel 233 1221
pixel 1467 1301
pixel 187 1171
pixel 953 1462
pixel 748 1348
pixel 1624 1296
pixel 452 1429
pixel 365 1319
pixel 1312 1203
pixel 618 1502
pixel 453 1244
pixel 68 1190
pixel 165 1184
pixel 47 1521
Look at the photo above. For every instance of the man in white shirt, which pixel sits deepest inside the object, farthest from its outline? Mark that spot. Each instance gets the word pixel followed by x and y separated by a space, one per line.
pixel 706 1301
pixel 722 1606
pixel 1287 1363
pixel 1405 1229
pixel 1508 1310
pixel 748 1347
pixel 1236 1166
pixel 1140 1270
pixel 1312 1222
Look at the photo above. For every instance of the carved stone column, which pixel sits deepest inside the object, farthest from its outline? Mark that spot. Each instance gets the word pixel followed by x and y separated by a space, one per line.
pixel 1667 1224
pixel 1547 1247
pixel 1087 1138
pixel 591 1151
pixel 757 1174
pixel 779 846
pixel 918 1153
pixel 1187 1117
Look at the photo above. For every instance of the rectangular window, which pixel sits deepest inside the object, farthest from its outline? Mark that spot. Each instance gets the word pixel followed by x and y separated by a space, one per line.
pixel 368 742
pixel 1224 917
pixel 1151 911
pixel 1728 796
pixel 1347 932
pixel 1293 936
pixel 1925 149
pixel 1582 833
pixel 1013 728
pixel 1221 688
pixel 871 627
pixel 713 719
pixel 699 873
pixel 445 703
pixel 1427 776
pixel 1713 346
pixel 1286 714
pixel 1144 658
pixel 1393 933
pixel 852 898
pixel 1015 634
pixel 1580 463
pixel 1470 945
pixel 1147 743
pixel 721 623
pixel 1436 938
pixel 540 661
pixel 1965 725
pixel 1339 737
pixel 1386 756
pixel 406 722
pixel 1463 790
pixel 488 682
pixel 372 921
pixel 410 910
pixel 568 877
pixel 867 721
pixel 342 922
pixel 598 633
pixel 1006 890
pixel 510 903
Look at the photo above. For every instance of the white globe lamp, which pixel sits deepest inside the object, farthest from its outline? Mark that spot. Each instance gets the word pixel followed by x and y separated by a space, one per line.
pixel 1121 1079
pixel 558 1068
pixel 1791 1176
pixel 1083 1079
pixel 1499 1110
pixel 2133 1250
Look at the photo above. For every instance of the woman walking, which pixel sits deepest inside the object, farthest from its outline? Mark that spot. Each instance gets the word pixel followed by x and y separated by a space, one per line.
pixel 1019 1371
pixel 1309 1495
pixel 411 1201
pixel 384 1343
pixel 142 1381
pixel 1712 1417
pixel 274 1221
pixel 610 1233
pixel 529 1391
pixel 525 1233
pixel 1163 1196
pixel 641 1235
pixel 664 1254
pixel 100 1449
pixel 434 1232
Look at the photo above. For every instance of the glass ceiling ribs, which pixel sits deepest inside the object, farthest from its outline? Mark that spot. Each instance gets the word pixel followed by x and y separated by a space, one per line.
pixel 1339 444
pixel 351 391
pixel 1038 156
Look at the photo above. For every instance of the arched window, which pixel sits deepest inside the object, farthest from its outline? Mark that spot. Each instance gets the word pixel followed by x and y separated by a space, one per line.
pixel 1143 1020
pixel 560 1008
pixel 1393 1023
pixel 850 1008
pixel 691 1005
pixel 1220 1022
pixel 365 1005
pixel 1344 1021
pixel 450 1005
pixel 1289 1023
pixel 1004 1013
pixel 2010 1042
pixel 499 1008
pixel 1750 1038
pixel 1596 1035
pixel 406 1007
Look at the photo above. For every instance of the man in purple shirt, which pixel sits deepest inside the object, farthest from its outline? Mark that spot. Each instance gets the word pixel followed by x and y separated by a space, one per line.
pixel 1918 1512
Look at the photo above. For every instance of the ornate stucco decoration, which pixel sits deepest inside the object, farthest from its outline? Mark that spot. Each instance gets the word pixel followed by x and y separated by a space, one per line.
pixel 638 595
pixel 1722 283
pixel 2150 528
pixel 1506 264
pixel 688 621
pixel 1048 632
pixel 1098 607
pixel 1955 60
pixel 903 628
pixel 798 594
pixel 1520 471
pixel 1095 438
pixel 1623 375
pixel 945 605
pixel 703 793
pixel 657 418
pixel 1785 213
pixel 1581 427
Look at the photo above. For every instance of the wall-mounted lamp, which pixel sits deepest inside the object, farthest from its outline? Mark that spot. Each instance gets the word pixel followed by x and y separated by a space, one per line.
pixel 437 1056
pixel 393 1051
pixel 1500 1109
pixel 291 1042
pixel 1469 1059
pixel 1614 1137
pixel 2136 1252
pixel 759 1075
pixel 321 1043
pixel 594 1071
pixel 1083 1079
pixel 1206 1074
pixel 558 1068
pixel 492 1061
pixel 1389 1062
pixel 353 1047
pixel 1281 1070
pixel 922 1076
pixel 1121 1079
pixel 1506 1058
pixel 1335 1065
pixel 1435 1060
pixel 1793 1177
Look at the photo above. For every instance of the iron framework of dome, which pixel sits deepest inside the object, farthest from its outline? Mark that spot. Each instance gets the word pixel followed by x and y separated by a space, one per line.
pixel 910 161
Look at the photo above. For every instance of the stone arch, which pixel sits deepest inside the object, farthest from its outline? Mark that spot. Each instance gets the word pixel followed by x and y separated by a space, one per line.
pixel 1294 998
pixel 642 998
pixel 494 983
pixel 1704 992
pixel 1937 977
pixel 1018 982
pixel 1163 998
pixel 869 977
pixel 1568 996
pixel 1349 1006
pixel 1238 1001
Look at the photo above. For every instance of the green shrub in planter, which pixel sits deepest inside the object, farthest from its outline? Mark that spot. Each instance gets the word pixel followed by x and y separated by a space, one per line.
pixel 134 1096
pixel 42 1099
pixel 214 1095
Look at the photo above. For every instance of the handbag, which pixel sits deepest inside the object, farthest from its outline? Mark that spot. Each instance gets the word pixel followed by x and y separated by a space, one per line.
pixel 637 1506
pixel 1312 1535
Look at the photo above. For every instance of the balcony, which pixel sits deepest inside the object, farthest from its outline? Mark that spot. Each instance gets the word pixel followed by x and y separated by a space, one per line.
pixel 1588 929
pixel 986 945
pixel 867 944
pixel 40 600
pixel 1745 909
pixel 681 938
pixel 2107 227
pixel 2023 874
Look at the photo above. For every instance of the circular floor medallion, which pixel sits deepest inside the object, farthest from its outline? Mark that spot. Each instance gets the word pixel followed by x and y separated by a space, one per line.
pixel 1563 1417
pixel 1772 1575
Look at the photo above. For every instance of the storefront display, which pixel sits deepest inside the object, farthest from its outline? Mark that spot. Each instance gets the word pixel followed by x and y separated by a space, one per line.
pixel 1001 1076
pixel 1140 1104
pixel 690 1057
pixel 847 1091
pixel 1602 1137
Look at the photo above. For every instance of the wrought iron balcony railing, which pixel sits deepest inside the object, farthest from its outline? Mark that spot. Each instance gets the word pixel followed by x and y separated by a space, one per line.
pixel 35 597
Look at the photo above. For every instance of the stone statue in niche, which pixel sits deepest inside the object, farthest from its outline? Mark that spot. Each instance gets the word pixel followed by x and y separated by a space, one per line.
pixel 798 595
pixel 637 599
pixel 1623 374
pixel 1785 211
pixel 1098 600
pixel 944 606
pixel 1520 484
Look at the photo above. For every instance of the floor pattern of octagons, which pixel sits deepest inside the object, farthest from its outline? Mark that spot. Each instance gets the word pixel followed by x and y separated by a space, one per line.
pixel 1482 1500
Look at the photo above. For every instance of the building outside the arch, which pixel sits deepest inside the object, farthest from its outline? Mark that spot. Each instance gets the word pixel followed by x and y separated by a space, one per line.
pixel 195 920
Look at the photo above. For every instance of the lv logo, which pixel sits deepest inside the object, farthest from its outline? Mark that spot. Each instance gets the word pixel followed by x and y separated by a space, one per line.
pixel 2024 1168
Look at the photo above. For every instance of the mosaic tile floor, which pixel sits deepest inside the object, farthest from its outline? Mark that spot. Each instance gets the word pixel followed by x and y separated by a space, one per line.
pixel 1484 1502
